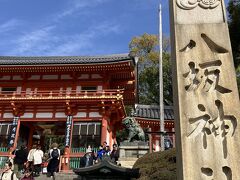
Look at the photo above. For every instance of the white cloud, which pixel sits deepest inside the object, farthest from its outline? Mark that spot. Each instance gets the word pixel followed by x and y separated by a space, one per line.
pixel 32 41
pixel 76 6
pixel 9 25
pixel 46 41
pixel 82 43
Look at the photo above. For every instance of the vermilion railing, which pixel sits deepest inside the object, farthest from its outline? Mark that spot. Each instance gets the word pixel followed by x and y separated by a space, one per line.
pixel 61 93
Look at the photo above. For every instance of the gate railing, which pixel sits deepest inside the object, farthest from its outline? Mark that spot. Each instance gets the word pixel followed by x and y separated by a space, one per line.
pixel 75 162
pixel 77 153
pixel 3 149
pixel 82 150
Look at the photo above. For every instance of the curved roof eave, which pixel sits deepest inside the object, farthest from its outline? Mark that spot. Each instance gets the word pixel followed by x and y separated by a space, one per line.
pixel 63 60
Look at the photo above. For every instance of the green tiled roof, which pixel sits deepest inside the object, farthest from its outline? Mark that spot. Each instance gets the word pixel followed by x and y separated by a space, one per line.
pixel 44 60
pixel 152 112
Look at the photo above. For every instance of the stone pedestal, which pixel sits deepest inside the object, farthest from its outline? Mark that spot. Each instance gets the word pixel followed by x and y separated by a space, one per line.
pixel 131 151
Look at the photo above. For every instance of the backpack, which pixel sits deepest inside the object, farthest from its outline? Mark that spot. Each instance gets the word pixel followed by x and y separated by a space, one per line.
pixel 11 175
pixel 55 154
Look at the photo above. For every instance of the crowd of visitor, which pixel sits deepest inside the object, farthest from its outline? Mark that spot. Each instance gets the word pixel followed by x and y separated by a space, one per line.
pixel 104 151
pixel 26 165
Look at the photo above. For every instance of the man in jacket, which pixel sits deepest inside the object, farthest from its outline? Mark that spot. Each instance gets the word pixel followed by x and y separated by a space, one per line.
pixel 87 159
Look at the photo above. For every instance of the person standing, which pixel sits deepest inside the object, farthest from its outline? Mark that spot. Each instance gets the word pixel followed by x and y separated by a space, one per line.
pixel 87 159
pixel 99 154
pixel 114 154
pixel 37 161
pixel 104 145
pixel 8 174
pixel 53 164
pixel 107 151
pixel 20 159
pixel 89 148
pixel 30 157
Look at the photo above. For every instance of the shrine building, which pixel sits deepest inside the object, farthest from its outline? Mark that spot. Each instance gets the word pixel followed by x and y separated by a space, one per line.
pixel 75 101
pixel 148 116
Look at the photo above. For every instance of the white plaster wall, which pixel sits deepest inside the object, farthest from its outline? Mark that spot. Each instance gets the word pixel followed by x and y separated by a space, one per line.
pixel 84 76
pixel 68 89
pixel 94 114
pixel 66 76
pixel 78 89
pixel 7 115
pixel 19 89
pixel 28 90
pixel 96 76
pixel 60 115
pixel 44 115
pixel 34 77
pixel 50 76
pixel 99 88
pixel 27 115
pixel 80 114
pixel 17 77
pixel 5 78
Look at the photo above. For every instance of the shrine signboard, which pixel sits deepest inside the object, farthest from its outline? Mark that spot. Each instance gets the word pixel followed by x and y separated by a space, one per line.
pixel 68 131
pixel 13 131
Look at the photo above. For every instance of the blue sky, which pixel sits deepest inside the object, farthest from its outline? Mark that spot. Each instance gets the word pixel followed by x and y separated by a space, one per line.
pixel 75 27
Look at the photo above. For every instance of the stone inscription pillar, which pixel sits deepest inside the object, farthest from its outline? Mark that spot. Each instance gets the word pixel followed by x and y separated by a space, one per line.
pixel 206 101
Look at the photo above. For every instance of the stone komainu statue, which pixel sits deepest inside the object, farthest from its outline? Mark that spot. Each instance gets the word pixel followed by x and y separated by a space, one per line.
pixel 134 129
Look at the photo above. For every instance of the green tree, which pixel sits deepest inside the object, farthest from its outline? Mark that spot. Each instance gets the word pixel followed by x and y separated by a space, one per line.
pixel 146 48
pixel 234 29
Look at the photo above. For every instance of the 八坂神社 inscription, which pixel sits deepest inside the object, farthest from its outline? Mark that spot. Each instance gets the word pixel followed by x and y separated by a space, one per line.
pixel 207 74
pixel 206 99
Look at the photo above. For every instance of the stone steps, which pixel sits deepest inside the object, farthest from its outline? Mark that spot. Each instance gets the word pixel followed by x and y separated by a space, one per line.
pixel 127 162
pixel 59 176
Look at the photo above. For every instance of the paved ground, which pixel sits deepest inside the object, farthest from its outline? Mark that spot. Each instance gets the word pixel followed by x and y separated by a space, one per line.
pixel 59 176
pixel 42 177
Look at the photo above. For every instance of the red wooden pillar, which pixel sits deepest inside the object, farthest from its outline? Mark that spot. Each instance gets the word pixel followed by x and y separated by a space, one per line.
pixel 104 129
pixel 30 138
pixel 114 141
pixel 110 139
pixel 150 140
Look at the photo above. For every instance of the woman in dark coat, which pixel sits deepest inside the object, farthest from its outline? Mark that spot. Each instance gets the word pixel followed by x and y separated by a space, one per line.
pixel 53 164
pixel 20 159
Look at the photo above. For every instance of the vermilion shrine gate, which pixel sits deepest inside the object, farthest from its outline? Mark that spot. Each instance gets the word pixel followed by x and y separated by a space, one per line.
pixel 74 101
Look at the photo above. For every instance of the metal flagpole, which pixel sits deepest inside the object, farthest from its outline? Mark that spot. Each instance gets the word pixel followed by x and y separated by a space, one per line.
pixel 161 106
